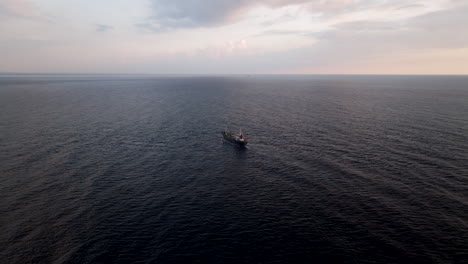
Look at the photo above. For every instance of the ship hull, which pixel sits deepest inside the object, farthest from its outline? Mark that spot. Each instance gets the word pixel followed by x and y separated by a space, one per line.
pixel 234 141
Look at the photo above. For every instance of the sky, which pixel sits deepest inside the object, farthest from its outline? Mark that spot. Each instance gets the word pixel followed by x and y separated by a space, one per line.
pixel 234 36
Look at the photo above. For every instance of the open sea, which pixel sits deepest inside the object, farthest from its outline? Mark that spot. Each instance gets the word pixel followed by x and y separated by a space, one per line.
pixel 132 169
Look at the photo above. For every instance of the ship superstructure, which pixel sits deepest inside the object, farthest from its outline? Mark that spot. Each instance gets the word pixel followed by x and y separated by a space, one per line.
pixel 239 140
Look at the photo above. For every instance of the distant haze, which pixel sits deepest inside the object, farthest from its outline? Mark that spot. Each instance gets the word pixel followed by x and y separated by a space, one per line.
pixel 234 36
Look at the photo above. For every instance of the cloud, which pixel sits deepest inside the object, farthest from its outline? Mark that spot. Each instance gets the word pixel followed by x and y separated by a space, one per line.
pixel 18 8
pixel 439 29
pixel 196 13
pixel 374 45
pixel 227 36
pixel 230 48
pixel 209 13
pixel 284 32
pixel 103 28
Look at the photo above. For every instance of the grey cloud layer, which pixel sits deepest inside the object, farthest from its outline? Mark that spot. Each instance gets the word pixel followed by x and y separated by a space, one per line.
pixel 205 13
pixel 103 28
pixel 194 13
pixel 208 13
pixel 439 29
pixel 349 38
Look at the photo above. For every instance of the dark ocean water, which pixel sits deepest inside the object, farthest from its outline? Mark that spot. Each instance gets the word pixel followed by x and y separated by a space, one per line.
pixel 350 169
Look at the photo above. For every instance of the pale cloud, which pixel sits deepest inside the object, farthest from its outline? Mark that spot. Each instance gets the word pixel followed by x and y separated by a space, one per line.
pixel 19 8
pixel 439 29
pixel 230 48
pixel 208 13
pixel 214 13
pixel 195 13
pixel 227 36
pixel 103 28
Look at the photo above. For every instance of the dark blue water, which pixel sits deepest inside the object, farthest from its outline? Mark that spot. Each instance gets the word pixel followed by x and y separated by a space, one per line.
pixel 350 169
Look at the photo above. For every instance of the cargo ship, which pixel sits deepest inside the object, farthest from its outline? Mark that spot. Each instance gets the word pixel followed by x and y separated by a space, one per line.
pixel 239 140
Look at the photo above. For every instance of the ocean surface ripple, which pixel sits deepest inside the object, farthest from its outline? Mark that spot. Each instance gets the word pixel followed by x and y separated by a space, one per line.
pixel 132 169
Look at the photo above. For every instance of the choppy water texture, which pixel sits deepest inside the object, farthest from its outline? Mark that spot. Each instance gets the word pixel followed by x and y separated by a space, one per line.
pixel 351 169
